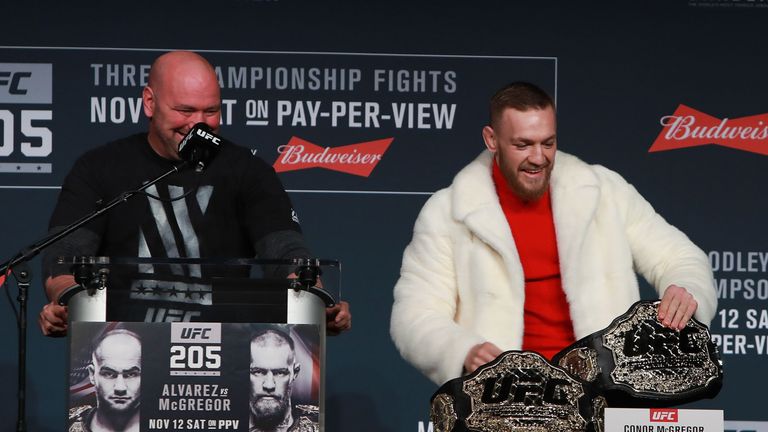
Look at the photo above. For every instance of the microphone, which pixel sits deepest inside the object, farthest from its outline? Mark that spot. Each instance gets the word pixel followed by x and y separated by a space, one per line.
pixel 200 146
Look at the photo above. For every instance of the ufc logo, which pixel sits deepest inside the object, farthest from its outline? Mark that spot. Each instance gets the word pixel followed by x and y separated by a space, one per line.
pixel 201 333
pixel 527 386
pixel 12 80
pixel 664 415
pixel 651 337
pixel 26 83
pixel 208 136
pixel 195 333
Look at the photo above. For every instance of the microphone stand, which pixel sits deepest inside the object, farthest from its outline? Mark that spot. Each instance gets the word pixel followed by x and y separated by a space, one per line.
pixel 18 265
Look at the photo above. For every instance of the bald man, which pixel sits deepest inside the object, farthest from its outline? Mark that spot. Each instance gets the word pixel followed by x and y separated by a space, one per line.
pixel 237 207
pixel 115 372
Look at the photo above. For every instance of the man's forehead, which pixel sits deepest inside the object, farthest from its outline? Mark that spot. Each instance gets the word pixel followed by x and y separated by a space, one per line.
pixel 261 348
pixel 112 357
pixel 516 121
pixel 510 112
pixel 119 365
pixel 192 95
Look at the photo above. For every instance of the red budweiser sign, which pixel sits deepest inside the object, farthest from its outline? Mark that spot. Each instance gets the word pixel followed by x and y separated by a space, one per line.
pixel 690 128
pixel 358 159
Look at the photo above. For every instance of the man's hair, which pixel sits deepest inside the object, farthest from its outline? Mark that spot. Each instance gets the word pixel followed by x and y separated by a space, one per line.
pixel 97 343
pixel 519 95
pixel 272 335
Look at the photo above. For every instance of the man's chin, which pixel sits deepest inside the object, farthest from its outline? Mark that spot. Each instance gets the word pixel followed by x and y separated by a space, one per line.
pixel 530 194
pixel 530 191
pixel 267 408
pixel 122 408
pixel 266 420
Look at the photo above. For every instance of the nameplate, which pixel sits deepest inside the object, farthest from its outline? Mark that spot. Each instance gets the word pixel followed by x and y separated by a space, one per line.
pixel 662 420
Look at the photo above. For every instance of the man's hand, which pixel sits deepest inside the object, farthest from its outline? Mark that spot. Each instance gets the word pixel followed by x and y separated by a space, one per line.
pixel 479 355
pixel 338 318
pixel 53 320
pixel 53 317
pixel 677 307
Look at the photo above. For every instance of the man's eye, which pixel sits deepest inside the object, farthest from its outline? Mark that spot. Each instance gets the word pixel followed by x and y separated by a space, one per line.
pixel 258 372
pixel 132 374
pixel 108 374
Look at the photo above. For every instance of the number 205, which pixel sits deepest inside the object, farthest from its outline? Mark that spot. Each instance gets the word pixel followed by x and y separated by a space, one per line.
pixel 28 148
pixel 195 357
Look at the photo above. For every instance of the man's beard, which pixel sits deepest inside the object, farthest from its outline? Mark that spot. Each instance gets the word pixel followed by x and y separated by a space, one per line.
pixel 269 416
pixel 526 191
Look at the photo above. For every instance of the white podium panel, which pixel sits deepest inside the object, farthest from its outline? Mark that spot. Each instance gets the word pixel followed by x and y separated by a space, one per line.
pixel 182 376
pixel 232 291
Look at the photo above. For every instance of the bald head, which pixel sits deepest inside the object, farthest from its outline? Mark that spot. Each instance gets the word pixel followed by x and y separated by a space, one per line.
pixel 176 64
pixel 183 90
pixel 123 344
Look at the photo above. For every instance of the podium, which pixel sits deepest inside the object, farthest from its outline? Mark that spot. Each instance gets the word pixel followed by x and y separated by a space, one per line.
pixel 199 323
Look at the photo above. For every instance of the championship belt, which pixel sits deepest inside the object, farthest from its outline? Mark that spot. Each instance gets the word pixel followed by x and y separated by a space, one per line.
pixel 637 362
pixel 519 391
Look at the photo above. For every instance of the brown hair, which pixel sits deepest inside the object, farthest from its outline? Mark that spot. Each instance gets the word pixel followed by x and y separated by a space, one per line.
pixel 519 95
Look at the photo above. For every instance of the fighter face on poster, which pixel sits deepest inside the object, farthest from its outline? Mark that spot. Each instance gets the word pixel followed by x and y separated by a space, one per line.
pixel 193 376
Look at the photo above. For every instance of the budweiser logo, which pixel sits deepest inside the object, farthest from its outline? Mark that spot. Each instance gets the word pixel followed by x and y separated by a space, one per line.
pixel 358 159
pixel 690 128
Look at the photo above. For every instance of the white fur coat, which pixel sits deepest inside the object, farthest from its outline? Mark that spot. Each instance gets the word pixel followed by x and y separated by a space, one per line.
pixel 462 282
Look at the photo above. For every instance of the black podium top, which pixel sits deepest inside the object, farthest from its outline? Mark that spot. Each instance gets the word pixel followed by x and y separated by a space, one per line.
pixel 184 289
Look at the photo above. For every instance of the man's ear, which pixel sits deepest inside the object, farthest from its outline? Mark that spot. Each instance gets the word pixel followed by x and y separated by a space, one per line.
pixel 91 373
pixel 148 101
pixel 489 137
pixel 296 369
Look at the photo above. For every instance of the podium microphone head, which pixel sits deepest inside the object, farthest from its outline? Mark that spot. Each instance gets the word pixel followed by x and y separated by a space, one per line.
pixel 200 146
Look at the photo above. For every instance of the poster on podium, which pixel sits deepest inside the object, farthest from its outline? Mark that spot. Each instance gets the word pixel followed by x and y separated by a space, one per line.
pixel 127 376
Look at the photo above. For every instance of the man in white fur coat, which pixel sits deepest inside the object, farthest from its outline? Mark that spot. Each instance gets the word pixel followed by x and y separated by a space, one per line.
pixel 521 252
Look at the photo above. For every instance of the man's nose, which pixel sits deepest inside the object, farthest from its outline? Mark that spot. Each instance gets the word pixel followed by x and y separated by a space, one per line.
pixel 196 117
pixel 120 387
pixel 269 382
pixel 536 155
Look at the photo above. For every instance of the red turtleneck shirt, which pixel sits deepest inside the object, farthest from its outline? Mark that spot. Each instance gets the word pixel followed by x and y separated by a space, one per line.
pixel 547 320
